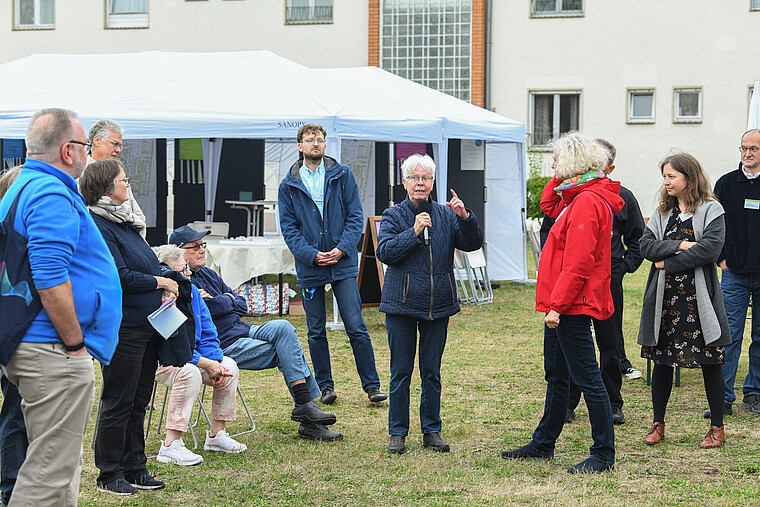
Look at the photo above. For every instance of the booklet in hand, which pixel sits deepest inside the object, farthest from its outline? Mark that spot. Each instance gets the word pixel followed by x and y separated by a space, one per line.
pixel 167 319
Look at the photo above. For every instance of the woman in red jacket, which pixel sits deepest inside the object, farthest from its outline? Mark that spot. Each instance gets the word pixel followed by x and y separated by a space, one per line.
pixel 574 287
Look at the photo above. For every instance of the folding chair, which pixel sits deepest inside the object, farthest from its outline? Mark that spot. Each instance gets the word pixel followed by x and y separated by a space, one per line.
pixel 208 420
pixel 219 230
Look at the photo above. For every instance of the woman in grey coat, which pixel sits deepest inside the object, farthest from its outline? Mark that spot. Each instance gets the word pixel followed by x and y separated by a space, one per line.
pixel 683 321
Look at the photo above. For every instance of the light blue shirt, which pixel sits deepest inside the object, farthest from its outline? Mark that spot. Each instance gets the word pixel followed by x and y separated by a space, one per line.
pixel 315 184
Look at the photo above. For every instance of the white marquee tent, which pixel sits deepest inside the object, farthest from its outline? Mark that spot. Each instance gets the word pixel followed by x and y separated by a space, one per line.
pixel 257 94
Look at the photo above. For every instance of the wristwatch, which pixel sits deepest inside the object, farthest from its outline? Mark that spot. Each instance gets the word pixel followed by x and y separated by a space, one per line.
pixel 75 347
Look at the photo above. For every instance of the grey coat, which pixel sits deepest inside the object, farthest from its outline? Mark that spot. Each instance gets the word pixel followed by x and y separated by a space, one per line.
pixel 709 232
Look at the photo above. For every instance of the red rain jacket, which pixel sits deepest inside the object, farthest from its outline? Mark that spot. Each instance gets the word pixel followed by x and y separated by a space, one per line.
pixel 574 270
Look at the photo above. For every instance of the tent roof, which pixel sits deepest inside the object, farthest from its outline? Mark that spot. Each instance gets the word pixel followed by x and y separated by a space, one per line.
pixel 238 94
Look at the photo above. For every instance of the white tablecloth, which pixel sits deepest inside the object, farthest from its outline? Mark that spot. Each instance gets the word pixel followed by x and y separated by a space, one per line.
pixel 239 261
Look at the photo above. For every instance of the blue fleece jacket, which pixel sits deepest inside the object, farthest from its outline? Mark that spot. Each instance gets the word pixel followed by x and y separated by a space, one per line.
pixel 307 232
pixel 65 245
pixel 224 306
pixel 206 338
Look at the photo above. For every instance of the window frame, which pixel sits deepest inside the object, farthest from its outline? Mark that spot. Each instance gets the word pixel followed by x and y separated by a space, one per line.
pixel 677 90
pixel 753 7
pixel 127 20
pixel 557 13
pixel 556 112
pixel 39 26
pixel 637 120
pixel 311 21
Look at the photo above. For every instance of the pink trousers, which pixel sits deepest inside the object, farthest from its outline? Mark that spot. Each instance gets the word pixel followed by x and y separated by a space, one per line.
pixel 185 384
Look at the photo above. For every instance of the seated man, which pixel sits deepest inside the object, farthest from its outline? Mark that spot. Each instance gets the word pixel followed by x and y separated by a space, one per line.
pixel 208 366
pixel 271 344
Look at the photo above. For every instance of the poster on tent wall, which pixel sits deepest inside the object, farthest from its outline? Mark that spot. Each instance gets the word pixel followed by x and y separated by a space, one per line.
pixel 360 157
pixel 473 153
pixel 139 159
pixel 403 150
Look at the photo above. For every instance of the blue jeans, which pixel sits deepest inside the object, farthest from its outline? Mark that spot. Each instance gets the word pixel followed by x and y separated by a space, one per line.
pixel 737 289
pixel 13 440
pixel 271 344
pixel 350 305
pixel 402 340
pixel 569 354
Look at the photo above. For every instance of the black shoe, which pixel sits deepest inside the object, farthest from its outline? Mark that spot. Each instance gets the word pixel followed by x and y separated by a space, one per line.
pixel 146 481
pixel 527 452
pixel 435 442
pixel 375 396
pixel 591 465
pixel 752 403
pixel 328 396
pixel 727 410
pixel 119 487
pixel 396 446
pixel 311 413
pixel 617 415
pixel 570 416
pixel 318 432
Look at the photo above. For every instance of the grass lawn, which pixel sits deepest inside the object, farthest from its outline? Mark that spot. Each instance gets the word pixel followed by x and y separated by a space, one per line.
pixel 493 392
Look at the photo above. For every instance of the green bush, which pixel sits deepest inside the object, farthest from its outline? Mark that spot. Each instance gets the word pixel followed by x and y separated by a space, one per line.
pixel 535 186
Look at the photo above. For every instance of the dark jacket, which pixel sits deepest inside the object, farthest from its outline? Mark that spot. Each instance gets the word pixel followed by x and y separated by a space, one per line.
pixel 307 233
pixel 740 251
pixel 419 280
pixel 178 349
pixel 225 306
pixel 137 266
pixel 574 272
pixel 627 228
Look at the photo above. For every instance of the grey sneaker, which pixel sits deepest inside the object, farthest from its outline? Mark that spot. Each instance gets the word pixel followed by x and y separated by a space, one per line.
pixel 752 403
pixel 396 446
pixel 435 442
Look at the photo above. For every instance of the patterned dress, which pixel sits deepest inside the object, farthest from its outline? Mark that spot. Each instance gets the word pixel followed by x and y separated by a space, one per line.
pixel 681 342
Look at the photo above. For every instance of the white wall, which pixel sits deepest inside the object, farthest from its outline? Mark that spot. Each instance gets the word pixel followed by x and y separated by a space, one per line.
pixel 211 25
pixel 648 43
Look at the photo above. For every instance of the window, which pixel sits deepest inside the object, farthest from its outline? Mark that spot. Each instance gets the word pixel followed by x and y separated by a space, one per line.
pixel 428 42
pixel 34 14
pixel 553 114
pixel 641 105
pixel 308 11
pixel 687 105
pixel 126 13
pixel 754 5
pixel 556 8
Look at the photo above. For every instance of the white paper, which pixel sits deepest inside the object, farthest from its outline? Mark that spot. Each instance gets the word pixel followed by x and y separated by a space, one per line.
pixel 167 319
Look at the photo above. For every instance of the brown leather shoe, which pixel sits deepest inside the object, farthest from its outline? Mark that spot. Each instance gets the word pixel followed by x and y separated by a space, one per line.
pixel 714 438
pixel 656 434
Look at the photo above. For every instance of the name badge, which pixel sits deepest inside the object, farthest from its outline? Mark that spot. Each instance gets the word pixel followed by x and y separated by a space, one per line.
pixel 685 216
pixel 752 204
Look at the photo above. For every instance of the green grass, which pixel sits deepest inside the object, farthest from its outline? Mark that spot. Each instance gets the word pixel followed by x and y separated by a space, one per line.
pixel 493 391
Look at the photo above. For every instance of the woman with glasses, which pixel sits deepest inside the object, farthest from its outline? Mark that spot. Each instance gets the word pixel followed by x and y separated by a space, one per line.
pixel 683 319
pixel 416 241
pixel 128 380
pixel 208 366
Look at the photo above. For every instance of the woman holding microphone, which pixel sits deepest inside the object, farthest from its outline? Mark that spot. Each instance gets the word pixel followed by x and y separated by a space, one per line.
pixel 416 241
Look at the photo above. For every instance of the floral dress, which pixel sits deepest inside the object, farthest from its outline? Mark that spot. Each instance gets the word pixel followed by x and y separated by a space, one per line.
pixel 681 342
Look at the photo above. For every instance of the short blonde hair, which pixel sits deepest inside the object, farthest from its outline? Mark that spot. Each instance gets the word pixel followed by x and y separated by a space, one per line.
pixel 578 154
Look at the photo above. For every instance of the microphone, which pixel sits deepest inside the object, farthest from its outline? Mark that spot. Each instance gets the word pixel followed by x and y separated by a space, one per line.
pixel 424 207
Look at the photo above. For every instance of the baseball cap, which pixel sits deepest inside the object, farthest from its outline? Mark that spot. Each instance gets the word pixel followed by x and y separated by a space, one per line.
pixel 186 234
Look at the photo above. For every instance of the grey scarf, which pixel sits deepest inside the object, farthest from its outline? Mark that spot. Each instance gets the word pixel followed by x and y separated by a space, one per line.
pixel 117 213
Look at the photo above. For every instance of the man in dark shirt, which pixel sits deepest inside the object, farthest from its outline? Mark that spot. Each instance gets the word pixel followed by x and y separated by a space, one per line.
pixel 739 193
pixel 272 344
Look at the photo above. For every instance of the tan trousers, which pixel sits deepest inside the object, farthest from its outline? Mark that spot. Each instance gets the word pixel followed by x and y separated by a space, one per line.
pixel 57 392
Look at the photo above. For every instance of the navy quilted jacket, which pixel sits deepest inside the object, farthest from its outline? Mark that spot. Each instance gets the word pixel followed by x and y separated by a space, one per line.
pixel 419 279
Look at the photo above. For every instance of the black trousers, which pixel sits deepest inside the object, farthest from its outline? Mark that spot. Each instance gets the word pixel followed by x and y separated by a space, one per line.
pixel 127 386
pixel 609 339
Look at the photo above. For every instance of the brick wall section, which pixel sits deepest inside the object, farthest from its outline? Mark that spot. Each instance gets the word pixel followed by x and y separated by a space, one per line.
pixel 373 32
pixel 478 62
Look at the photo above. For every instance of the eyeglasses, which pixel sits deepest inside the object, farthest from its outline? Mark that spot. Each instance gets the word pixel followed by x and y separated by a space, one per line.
pixel 195 247
pixel 87 146
pixel 424 179
pixel 313 140
pixel 115 144
pixel 750 149
pixel 125 180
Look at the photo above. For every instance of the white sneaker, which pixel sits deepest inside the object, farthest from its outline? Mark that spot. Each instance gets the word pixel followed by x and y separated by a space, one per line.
pixel 178 454
pixel 223 442
pixel 632 373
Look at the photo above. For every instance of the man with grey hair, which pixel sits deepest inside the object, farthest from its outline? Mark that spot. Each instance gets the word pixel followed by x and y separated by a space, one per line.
pixel 739 193
pixel 73 271
pixel 106 140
